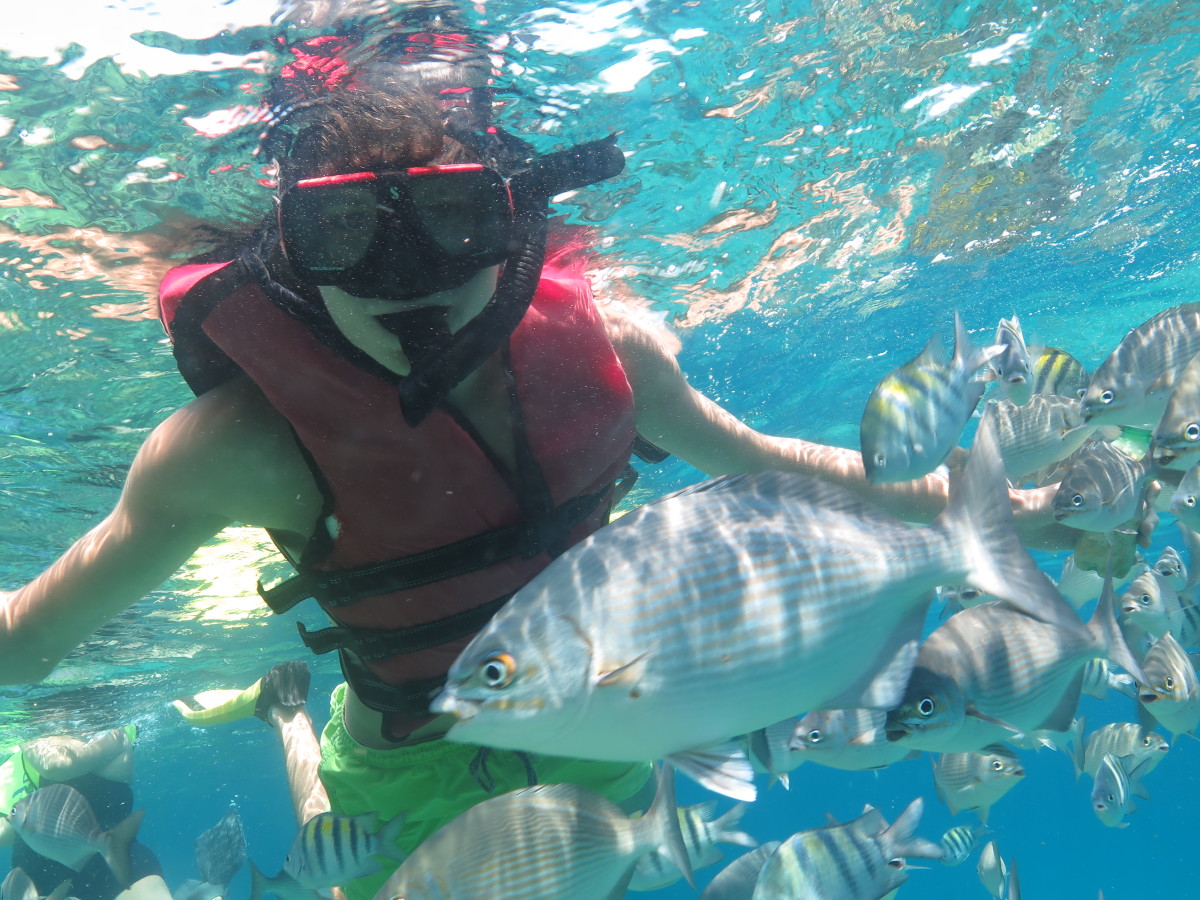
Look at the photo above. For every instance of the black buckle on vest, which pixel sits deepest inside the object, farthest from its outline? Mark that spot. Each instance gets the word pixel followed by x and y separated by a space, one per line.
pixel 369 644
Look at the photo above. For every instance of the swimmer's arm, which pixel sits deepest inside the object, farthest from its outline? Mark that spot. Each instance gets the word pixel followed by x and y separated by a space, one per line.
pixel 189 481
pixel 680 419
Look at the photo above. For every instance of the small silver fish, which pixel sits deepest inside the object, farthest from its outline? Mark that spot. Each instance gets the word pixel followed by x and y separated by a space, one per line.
pixel 916 414
pixel 1046 430
pixel 960 841
pixel 1170 690
pixel 546 842
pixel 990 670
pixel 1171 567
pixel 1099 679
pixel 787 593
pixel 1129 742
pixel 57 822
pixel 1103 489
pixel 976 780
pixel 1113 792
pixel 1148 603
pixel 993 873
pixel 701 834
pixel 1176 442
pixel 1185 502
pixel 861 859
pixel 330 850
pixel 1057 372
pixel 1012 370
pixel 1132 386
pixel 848 739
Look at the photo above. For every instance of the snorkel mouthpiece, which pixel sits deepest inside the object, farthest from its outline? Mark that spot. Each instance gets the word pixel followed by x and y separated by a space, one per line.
pixel 434 375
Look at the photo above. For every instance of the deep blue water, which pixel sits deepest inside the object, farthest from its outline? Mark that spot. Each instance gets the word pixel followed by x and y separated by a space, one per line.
pixel 812 189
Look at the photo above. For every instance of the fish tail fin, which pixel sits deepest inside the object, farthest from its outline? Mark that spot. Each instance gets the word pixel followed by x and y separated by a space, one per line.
pixel 260 884
pixel 978 519
pixel 900 837
pixel 663 818
pixel 1107 634
pixel 725 827
pixel 117 844
pixel 388 838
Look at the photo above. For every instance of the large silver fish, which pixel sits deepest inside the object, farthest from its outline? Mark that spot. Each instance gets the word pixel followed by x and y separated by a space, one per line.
pixel 991 670
pixel 916 414
pixel 1170 689
pixel 1103 489
pixel 976 780
pixel 546 842
pixel 1176 441
pixel 329 850
pixel 702 831
pixel 1132 386
pixel 1046 430
pixel 1012 370
pixel 861 860
pixel 57 822
pixel 772 594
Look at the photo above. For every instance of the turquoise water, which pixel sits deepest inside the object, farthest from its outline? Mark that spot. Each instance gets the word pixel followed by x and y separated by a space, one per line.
pixel 812 188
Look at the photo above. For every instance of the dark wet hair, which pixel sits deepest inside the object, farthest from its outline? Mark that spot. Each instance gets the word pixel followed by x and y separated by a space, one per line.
pixel 362 129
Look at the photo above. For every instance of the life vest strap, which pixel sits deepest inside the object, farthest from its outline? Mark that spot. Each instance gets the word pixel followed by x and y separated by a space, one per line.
pixel 346 586
pixel 372 644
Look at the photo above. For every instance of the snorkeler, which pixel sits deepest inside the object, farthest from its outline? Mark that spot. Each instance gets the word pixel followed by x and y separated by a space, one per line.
pixel 423 409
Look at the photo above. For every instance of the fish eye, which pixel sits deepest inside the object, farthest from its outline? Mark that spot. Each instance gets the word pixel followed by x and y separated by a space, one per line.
pixel 880 459
pixel 1169 682
pixel 997 765
pixel 1189 501
pixel 815 736
pixel 968 594
pixel 1146 742
pixel 497 671
pixel 926 707
pixel 1108 396
pixel 1145 599
pixel 1077 500
pixel 1192 432
pixel 896 862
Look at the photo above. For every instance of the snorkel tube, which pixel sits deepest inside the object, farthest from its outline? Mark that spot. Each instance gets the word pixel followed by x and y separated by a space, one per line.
pixel 436 373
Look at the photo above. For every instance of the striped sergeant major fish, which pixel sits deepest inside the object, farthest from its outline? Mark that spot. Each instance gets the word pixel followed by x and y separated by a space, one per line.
pixel 865 858
pixel 330 850
pixel 1012 369
pixel 545 842
pixel 701 834
pixel 916 414
pixel 1057 372
pixel 754 562
pixel 1133 385
pixel 959 842
pixel 1176 441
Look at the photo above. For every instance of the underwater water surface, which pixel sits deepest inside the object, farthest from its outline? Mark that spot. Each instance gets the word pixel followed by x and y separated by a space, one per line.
pixel 812 189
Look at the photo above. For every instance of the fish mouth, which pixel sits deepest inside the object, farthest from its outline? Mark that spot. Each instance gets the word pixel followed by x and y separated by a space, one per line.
pixel 897 732
pixel 1164 457
pixel 1129 608
pixel 1147 696
pixel 460 707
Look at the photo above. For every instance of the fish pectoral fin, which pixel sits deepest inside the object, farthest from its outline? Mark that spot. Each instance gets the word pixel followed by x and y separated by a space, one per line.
pixel 625 675
pixel 722 768
pixel 984 717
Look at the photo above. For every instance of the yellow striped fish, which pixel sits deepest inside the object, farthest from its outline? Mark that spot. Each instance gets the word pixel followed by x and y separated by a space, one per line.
pixel 1057 372
pixel 727 608
pixel 960 841
pixel 547 842
pixel 860 860
pixel 916 414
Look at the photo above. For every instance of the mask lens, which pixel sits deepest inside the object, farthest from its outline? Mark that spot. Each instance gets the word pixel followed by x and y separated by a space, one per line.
pixel 328 228
pixel 463 213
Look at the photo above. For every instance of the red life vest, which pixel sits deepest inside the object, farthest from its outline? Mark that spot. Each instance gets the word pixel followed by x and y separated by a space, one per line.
pixel 429 496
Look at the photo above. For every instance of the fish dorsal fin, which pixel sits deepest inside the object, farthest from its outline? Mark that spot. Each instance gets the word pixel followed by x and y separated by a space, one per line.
pixel 934 352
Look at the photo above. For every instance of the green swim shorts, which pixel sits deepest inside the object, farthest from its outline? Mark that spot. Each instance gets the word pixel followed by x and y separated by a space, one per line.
pixel 433 782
